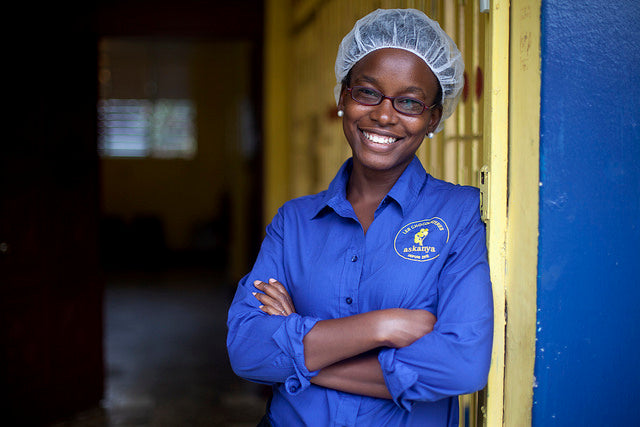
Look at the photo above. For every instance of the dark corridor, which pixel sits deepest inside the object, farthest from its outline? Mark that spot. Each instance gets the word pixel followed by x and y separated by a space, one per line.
pixel 87 341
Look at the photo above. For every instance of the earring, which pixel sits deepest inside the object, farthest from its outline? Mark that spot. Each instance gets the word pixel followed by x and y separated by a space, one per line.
pixel 340 113
pixel 430 135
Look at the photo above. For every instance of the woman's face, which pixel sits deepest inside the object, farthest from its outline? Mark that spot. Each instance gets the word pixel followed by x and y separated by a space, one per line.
pixel 380 137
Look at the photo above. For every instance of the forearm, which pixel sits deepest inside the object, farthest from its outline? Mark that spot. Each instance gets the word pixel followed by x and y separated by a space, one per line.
pixel 358 375
pixel 334 340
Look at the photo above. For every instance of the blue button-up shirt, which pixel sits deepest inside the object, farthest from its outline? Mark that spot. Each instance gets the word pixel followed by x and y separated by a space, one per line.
pixel 425 249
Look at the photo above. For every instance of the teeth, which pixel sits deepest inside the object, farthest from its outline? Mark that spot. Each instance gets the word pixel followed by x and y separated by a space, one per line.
pixel 379 139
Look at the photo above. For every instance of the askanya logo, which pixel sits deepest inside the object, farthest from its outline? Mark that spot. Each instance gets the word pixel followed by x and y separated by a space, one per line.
pixel 422 240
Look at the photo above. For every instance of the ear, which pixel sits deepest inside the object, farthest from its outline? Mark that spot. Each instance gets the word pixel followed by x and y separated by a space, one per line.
pixel 343 93
pixel 434 119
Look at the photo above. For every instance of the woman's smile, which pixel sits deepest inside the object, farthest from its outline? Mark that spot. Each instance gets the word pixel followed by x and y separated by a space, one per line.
pixel 379 139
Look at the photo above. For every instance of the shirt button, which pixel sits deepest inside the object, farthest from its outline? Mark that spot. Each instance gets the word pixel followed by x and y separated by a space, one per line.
pixel 348 300
pixel 354 258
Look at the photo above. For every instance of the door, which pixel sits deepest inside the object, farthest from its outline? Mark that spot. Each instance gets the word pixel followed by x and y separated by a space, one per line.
pixel 50 288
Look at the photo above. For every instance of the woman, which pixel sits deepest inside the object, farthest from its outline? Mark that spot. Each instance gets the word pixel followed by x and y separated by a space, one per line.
pixel 370 303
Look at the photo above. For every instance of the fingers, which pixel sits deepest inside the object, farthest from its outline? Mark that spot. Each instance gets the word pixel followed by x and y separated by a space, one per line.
pixel 275 299
pixel 273 311
pixel 271 305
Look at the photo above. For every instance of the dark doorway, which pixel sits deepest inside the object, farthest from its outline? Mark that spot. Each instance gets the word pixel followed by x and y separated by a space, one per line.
pixel 72 255
pixel 176 231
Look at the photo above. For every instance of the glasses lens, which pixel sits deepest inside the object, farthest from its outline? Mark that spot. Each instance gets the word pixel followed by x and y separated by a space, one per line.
pixel 365 95
pixel 408 105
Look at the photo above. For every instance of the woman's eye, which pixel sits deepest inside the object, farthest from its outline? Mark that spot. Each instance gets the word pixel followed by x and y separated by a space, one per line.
pixel 368 93
pixel 409 104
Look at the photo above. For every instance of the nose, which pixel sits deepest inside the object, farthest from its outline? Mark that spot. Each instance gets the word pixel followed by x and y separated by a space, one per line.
pixel 384 113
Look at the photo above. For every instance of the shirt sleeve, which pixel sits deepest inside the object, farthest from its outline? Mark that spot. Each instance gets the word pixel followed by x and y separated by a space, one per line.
pixel 454 359
pixel 263 348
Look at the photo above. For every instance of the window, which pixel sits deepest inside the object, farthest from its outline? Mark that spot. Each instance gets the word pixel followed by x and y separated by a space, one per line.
pixel 143 128
pixel 145 107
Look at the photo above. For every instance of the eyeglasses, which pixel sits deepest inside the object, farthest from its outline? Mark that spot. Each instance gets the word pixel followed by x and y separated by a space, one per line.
pixel 402 104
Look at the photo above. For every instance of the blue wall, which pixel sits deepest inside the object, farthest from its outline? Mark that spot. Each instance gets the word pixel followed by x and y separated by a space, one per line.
pixel 588 340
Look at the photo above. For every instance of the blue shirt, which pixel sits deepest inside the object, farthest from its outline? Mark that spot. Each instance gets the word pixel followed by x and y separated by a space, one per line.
pixel 425 249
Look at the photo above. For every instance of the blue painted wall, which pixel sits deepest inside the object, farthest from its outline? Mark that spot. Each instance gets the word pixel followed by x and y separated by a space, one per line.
pixel 588 340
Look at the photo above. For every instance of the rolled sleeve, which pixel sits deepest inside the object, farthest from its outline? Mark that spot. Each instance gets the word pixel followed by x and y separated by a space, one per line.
pixel 263 348
pixel 288 337
pixel 444 363
pixel 267 349
pixel 398 378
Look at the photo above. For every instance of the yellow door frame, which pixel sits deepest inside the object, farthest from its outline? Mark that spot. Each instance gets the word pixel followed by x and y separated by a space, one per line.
pixel 494 192
pixel 522 227
pixel 511 132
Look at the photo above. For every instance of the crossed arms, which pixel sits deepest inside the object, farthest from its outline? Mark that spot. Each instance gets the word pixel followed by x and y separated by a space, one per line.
pixel 343 349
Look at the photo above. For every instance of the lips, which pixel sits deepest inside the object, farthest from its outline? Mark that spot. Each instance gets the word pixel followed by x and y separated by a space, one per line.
pixel 379 139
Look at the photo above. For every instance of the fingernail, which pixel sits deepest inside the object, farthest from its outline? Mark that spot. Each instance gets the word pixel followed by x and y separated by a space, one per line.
pixel 254 293
pixel 272 280
pixel 257 282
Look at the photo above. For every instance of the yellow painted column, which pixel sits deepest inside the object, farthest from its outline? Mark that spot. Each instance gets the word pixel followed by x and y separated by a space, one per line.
pixel 495 147
pixel 277 72
pixel 522 231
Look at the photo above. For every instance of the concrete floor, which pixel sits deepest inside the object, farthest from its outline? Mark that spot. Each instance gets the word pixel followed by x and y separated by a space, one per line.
pixel 165 356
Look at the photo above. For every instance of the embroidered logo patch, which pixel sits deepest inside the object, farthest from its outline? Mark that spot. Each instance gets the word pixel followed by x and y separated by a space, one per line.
pixel 422 240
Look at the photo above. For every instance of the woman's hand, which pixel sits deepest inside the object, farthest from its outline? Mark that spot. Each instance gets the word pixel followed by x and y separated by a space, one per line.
pixel 400 327
pixel 275 299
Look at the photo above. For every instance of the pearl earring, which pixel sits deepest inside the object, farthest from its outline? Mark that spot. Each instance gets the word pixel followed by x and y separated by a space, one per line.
pixel 340 113
pixel 430 135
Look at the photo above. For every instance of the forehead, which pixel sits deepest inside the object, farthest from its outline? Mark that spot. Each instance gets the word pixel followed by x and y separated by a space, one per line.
pixel 395 68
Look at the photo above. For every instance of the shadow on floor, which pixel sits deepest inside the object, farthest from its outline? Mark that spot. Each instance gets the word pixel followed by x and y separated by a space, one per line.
pixel 165 356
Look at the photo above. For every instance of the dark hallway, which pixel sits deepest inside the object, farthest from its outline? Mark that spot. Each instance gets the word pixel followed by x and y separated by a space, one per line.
pixel 86 342
pixel 165 358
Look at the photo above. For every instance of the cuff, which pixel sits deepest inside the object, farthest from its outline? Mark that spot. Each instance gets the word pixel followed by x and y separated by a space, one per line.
pixel 289 338
pixel 398 377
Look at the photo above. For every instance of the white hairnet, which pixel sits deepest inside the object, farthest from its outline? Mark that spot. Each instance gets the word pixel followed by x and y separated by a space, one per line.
pixel 411 30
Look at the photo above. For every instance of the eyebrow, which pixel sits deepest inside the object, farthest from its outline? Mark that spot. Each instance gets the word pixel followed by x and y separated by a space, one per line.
pixel 411 89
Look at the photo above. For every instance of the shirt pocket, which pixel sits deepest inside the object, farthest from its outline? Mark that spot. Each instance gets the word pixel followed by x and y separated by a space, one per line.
pixel 402 283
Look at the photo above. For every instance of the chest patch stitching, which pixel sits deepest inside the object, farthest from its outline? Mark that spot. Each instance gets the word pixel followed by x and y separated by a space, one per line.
pixel 423 240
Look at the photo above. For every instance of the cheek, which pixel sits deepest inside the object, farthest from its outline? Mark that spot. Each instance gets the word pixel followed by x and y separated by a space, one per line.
pixel 352 116
pixel 418 127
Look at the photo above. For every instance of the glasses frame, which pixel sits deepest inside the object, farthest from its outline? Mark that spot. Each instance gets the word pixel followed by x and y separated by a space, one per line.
pixel 391 98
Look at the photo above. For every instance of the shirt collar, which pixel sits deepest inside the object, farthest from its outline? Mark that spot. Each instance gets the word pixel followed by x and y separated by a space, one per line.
pixel 335 196
pixel 407 188
pixel 404 192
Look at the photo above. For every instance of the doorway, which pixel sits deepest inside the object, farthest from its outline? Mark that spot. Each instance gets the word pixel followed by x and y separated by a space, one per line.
pixel 178 143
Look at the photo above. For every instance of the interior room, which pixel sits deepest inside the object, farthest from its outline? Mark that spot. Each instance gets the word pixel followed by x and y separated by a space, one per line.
pixel 140 163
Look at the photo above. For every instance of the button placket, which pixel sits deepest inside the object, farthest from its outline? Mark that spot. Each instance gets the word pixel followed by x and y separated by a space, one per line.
pixel 354 268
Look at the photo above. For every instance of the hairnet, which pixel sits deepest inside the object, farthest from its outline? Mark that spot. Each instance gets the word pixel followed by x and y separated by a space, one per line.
pixel 411 30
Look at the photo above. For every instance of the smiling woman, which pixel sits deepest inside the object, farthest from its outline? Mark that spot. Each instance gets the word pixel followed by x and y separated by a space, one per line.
pixel 382 136
pixel 370 303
